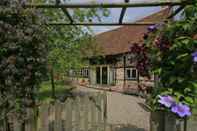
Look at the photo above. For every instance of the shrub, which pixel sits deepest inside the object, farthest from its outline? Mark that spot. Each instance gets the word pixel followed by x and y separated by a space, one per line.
pixel 23 44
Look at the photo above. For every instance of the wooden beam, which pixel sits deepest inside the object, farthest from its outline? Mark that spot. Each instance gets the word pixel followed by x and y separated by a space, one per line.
pixel 124 65
pixel 58 2
pixel 176 12
pixel 123 12
pixel 100 24
pixel 110 5
pixel 68 15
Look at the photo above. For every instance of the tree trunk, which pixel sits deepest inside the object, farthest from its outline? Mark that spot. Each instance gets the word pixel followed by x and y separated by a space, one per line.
pixel 52 84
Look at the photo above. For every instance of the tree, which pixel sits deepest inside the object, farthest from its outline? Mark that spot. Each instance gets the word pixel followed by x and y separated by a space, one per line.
pixel 23 56
pixel 67 43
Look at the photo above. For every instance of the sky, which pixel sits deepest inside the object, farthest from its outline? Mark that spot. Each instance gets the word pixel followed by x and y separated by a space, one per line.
pixel 131 15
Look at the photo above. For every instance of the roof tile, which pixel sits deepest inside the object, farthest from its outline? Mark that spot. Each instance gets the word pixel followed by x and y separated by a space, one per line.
pixel 118 41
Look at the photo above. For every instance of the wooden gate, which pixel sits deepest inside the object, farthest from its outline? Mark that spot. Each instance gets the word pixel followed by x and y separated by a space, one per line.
pixel 82 113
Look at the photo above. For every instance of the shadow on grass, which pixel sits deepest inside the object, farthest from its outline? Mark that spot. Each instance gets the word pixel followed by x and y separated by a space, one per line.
pixel 59 94
pixel 62 91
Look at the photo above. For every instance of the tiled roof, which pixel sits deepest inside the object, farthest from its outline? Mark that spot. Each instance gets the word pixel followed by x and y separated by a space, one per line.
pixel 118 41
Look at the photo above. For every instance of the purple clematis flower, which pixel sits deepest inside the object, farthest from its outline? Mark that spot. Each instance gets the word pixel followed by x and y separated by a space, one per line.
pixel 152 28
pixel 167 101
pixel 182 110
pixel 194 56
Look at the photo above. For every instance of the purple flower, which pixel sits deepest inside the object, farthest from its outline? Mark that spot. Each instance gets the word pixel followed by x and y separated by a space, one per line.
pixel 152 28
pixel 167 101
pixel 181 109
pixel 194 56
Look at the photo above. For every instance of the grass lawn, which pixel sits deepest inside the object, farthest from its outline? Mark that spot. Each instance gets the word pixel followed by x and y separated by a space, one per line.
pixel 45 92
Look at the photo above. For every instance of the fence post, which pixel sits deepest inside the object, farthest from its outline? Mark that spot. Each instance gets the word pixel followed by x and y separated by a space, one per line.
pixel 82 114
pixel 86 112
pixel 77 113
pixel 191 123
pixel 44 119
pixel 170 122
pixel 157 121
pixel 105 110
pixel 69 115
pixel 30 122
pixel 58 119
pixel 17 126
pixel 185 124
pixel 93 110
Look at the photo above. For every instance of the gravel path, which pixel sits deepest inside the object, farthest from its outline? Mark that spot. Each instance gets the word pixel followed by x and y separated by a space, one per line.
pixel 125 110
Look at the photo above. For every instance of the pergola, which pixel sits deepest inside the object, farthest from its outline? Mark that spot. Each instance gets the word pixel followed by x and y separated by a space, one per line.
pixel 65 6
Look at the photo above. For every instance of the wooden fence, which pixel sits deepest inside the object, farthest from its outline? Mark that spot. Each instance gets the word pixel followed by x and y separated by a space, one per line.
pixel 163 121
pixel 83 113
pixel 86 112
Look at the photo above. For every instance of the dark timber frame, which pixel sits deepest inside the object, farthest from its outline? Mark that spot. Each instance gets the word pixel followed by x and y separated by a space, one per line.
pixel 124 6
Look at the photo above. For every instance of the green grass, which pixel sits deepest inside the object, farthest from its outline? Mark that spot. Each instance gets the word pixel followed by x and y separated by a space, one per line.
pixel 45 92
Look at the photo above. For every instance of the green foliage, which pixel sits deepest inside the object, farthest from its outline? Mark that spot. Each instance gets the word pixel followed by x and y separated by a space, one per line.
pixel 170 53
pixel 61 90
pixel 69 45
pixel 70 53
pixel 23 53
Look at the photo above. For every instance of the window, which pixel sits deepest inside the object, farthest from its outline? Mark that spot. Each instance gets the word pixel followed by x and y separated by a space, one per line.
pixel 131 74
pixel 84 72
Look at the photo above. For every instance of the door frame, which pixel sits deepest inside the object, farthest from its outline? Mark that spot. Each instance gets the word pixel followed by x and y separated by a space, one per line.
pixel 101 74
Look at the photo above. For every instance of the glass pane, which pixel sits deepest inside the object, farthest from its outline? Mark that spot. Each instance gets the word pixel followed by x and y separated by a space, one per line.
pixel 104 75
pixel 98 76
pixel 128 74
pixel 134 73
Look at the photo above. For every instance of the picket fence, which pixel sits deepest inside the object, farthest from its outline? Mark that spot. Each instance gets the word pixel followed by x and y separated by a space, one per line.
pixel 85 112
pixel 82 113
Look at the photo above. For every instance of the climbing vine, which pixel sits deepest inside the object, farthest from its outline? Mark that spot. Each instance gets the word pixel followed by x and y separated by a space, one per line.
pixel 170 52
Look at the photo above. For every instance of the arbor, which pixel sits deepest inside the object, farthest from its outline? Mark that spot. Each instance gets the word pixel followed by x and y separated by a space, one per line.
pixel 23 56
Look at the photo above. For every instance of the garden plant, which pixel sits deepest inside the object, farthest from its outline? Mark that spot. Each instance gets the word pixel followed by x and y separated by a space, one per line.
pixel 23 56
pixel 28 47
pixel 169 52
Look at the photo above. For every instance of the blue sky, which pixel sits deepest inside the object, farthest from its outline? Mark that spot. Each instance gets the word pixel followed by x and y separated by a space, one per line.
pixel 132 14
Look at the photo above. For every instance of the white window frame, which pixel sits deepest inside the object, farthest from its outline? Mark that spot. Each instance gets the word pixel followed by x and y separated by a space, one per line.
pixel 131 74
pixel 84 72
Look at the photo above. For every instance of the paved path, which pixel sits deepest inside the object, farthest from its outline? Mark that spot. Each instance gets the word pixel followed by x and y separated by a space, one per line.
pixel 125 109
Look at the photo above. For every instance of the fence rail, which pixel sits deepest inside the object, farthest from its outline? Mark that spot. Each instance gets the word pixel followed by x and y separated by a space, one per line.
pixel 83 113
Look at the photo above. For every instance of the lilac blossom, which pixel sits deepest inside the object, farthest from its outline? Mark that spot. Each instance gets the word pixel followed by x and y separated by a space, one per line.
pixel 167 101
pixel 194 56
pixel 181 109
